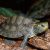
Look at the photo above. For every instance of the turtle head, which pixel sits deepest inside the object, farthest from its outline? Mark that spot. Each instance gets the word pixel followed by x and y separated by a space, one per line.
pixel 42 26
pixel 38 28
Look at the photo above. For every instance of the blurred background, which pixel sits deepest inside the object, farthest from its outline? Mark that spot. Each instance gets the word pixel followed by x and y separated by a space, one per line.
pixel 22 5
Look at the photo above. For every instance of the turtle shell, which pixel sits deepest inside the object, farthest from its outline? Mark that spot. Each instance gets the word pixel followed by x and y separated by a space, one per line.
pixel 16 26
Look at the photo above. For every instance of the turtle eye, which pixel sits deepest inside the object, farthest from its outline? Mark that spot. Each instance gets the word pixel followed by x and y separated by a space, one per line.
pixel 42 25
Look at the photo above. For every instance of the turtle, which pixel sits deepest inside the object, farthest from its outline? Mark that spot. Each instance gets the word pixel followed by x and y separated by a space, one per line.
pixel 39 9
pixel 18 26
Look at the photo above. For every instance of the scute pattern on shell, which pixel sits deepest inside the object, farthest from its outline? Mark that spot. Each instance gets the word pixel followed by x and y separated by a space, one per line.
pixel 15 26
